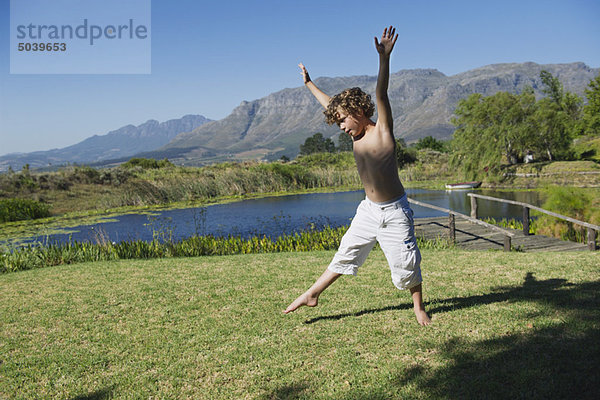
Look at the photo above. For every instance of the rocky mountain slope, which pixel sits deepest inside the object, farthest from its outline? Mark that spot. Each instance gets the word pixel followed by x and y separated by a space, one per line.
pixel 422 101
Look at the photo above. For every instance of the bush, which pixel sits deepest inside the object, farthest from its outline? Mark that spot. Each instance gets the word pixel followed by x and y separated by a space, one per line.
pixel 85 175
pixel 587 148
pixel 22 209
pixel 404 155
pixel 429 142
pixel 293 175
pixel 147 163
pixel 573 202
pixel 322 160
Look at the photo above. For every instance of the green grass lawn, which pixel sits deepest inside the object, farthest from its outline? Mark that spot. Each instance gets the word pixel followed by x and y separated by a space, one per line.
pixel 504 326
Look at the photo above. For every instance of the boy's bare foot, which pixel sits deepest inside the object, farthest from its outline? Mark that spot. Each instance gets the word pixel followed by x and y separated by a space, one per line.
pixel 304 300
pixel 422 317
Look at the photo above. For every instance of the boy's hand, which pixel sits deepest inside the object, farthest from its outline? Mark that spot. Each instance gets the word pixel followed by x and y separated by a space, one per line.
pixel 385 46
pixel 304 73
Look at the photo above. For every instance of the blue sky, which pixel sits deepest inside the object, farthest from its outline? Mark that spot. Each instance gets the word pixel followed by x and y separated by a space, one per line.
pixel 208 56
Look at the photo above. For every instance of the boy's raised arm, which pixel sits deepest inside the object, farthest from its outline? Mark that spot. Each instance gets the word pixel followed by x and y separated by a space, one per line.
pixel 384 48
pixel 321 97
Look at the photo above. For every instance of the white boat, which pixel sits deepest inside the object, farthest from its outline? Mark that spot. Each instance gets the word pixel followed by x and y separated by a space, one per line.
pixel 463 185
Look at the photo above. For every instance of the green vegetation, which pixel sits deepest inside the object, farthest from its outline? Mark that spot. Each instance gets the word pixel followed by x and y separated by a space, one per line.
pixel 80 195
pixel 504 326
pixel 404 155
pixel 587 148
pixel 582 204
pixel 340 160
pixel 84 188
pixel 578 203
pixel 502 129
pixel 22 209
pixel 591 112
pixel 50 255
pixel 541 174
pixel 317 144
pixel 345 142
pixel 429 142
pixel 430 170
pixel 40 256
pixel 147 163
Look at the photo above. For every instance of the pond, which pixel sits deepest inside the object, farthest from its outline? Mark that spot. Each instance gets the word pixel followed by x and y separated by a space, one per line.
pixel 274 216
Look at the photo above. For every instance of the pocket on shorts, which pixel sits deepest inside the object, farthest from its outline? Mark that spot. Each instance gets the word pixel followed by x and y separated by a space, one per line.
pixel 408 212
pixel 406 215
pixel 406 272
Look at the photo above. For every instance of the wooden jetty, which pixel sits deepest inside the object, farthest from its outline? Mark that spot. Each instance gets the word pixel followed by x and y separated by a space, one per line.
pixel 472 236
pixel 472 233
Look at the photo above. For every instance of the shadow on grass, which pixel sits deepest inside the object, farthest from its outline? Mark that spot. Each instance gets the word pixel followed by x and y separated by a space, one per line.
pixel 560 360
pixel 358 313
pixel 292 391
pixel 101 394
pixel 531 289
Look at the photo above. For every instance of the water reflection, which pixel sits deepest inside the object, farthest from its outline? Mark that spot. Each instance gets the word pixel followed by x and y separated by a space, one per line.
pixel 274 216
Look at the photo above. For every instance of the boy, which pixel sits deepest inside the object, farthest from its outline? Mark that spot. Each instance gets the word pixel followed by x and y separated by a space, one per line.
pixel 384 215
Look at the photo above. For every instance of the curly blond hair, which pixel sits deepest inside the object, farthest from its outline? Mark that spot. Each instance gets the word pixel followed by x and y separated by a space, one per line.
pixel 354 101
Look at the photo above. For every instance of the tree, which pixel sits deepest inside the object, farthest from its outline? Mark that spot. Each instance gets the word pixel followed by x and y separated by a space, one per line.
pixel 317 144
pixel 554 89
pixel 429 142
pixel 591 111
pixel 566 102
pixel 550 123
pixel 404 155
pixel 502 128
pixel 491 131
pixel 345 142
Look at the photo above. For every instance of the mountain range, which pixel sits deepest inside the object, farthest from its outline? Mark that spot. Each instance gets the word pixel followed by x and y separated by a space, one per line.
pixel 422 100
pixel 118 144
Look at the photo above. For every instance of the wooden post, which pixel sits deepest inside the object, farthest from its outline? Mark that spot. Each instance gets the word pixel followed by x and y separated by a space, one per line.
pixel 591 239
pixel 526 221
pixel 507 243
pixel 473 207
pixel 451 228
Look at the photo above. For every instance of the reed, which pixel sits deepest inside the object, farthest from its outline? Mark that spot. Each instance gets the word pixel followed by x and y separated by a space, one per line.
pixel 162 246
pixel 22 209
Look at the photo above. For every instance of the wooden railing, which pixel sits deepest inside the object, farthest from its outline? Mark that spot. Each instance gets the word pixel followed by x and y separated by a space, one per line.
pixel 591 228
pixel 452 227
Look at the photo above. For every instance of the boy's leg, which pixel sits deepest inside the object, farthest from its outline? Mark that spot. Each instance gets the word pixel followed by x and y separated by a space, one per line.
pixel 352 253
pixel 417 296
pixel 397 240
pixel 310 298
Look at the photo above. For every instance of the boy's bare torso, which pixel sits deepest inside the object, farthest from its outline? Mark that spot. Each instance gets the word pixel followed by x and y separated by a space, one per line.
pixel 375 157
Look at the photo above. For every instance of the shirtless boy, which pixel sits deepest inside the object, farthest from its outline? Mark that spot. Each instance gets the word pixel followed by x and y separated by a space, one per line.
pixel 385 215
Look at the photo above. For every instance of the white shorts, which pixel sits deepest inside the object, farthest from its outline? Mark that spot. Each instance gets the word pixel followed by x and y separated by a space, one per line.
pixel 392 225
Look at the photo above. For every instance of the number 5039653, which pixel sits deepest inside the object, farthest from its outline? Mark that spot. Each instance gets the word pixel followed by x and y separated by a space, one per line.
pixel 42 47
